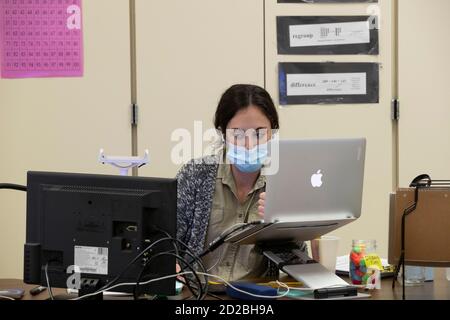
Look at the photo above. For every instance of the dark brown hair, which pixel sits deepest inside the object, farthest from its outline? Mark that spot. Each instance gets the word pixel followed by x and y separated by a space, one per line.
pixel 241 96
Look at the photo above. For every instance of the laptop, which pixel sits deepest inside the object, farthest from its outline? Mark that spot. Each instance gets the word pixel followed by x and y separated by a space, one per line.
pixel 312 188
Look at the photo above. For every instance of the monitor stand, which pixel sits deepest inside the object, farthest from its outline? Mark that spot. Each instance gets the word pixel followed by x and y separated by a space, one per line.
pixel 302 268
pixel 314 275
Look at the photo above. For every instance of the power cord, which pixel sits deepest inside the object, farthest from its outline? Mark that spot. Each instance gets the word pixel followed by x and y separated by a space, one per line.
pixel 185 273
pixel 203 291
pixel 192 255
pixel 193 258
pixel 132 262
pixel 50 292
pixel 111 284
pixel 208 293
pixel 11 186
pixel 217 242
pixel 181 259
pixel 130 284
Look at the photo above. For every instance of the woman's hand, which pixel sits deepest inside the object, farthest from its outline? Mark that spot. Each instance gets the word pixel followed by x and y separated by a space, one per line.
pixel 178 269
pixel 261 204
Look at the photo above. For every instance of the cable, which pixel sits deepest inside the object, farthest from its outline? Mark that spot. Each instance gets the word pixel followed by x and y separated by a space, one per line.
pixel 218 260
pixel 214 296
pixel 130 284
pixel 7 298
pixel 132 262
pixel 208 294
pixel 202 266
pixel 312 289
pixel 181 268
pixel 50 292
pixel 179 258
pixel 191 286
pixel 189 283
pixel 217 242
pixel 292 288
pixel 194 257
pixel 417 183
pixel 108 285
pixel 238 225
pixel 249 293
pixel 203 287
pixel 11 186
pixel 202 290
pixel 168 236
pixel 184 273
pixel 188 251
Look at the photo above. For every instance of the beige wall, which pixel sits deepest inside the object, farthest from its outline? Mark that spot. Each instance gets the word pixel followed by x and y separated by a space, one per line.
pixel 188 53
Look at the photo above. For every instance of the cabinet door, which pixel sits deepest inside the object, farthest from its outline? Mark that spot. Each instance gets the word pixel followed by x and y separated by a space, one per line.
pixel 372 121
pixel 189 53
pixel 59 124
pixel 424 68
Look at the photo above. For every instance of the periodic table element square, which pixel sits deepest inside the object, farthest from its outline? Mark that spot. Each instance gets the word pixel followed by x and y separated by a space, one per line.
pixel 41 38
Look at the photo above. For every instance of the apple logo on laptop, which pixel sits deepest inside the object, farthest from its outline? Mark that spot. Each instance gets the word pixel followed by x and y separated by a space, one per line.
pixel 316 179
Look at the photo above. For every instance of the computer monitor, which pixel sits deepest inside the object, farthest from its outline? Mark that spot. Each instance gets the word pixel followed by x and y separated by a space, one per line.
pixel 99 223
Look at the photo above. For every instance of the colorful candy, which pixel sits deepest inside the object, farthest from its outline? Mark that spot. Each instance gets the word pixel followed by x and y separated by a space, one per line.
pixel 360 271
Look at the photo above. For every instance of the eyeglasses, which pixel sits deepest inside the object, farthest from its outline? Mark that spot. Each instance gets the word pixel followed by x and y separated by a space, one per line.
pixel 238 136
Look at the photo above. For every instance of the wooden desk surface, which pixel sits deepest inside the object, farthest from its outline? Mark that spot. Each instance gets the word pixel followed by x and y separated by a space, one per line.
pixel 439 289
pixel 18 284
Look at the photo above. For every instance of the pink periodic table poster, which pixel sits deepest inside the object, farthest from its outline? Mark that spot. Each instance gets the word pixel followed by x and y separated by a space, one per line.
pixel 41 38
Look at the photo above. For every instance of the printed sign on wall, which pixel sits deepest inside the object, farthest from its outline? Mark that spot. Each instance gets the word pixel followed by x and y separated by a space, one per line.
pixel 326 1
pixel 328 83
pixel 41 38
pixel 327 35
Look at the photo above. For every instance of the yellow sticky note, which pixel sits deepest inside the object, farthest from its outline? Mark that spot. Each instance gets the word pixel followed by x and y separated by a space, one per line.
pixel 373 261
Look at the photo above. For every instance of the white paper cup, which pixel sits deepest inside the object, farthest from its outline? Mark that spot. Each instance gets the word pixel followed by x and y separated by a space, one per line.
pixel 324 251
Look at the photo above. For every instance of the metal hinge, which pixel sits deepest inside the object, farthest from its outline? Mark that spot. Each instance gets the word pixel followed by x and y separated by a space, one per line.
pixel 395 113
pixel 134 114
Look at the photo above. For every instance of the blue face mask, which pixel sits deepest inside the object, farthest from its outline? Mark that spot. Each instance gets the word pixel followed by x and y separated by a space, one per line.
pixel 247 160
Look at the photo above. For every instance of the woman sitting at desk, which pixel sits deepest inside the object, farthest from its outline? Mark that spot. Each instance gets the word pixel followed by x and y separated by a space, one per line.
pixel 220 191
